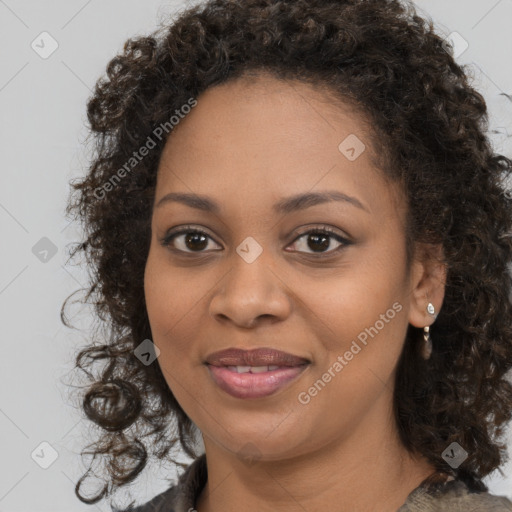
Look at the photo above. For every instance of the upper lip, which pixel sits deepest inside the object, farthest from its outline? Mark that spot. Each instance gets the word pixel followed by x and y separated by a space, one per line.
pixel 255 357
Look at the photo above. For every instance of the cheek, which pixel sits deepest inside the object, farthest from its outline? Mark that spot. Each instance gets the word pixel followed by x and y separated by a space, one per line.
pixel 360 321
pixel 358 300
pixel 173 303
pixel 360 332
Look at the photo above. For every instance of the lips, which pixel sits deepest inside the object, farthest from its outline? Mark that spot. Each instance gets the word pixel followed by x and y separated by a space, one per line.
pixel 254 373
pixel 255 358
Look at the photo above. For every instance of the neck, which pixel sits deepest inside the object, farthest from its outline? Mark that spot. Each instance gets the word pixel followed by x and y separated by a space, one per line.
pixel 368 469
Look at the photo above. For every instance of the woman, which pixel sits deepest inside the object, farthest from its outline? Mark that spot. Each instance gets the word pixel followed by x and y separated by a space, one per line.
pixel 300 236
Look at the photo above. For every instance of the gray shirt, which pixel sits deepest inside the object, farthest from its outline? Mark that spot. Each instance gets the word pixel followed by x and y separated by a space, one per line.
pixel 447 496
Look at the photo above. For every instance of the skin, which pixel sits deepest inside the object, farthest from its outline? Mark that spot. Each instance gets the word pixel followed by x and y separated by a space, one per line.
pixel 246 145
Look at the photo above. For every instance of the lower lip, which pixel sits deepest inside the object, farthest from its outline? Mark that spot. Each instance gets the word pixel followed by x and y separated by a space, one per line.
pixel 254 385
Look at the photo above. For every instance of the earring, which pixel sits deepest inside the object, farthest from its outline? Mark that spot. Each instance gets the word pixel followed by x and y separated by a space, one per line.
pixel 426 350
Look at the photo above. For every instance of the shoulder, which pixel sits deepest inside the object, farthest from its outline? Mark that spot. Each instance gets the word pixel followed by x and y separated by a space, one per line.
pixel 180 497
pixel 454 496
pixel 163 502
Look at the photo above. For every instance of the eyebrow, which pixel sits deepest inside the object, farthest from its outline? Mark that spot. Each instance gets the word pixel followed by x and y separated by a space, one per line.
pixel 284 206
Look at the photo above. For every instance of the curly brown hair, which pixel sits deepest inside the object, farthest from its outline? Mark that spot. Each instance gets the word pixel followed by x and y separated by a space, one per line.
pixel 430 127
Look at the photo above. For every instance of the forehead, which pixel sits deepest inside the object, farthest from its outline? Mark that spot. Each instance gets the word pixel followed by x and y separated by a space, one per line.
pixel 265 138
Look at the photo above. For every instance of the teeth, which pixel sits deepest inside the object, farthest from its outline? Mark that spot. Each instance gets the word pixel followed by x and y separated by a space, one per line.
pixel 253 369
pixel 259 369
pixel 240 369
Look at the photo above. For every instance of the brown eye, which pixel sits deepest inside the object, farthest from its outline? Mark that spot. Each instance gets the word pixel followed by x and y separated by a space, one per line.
pixel 188 240
pixel 320 241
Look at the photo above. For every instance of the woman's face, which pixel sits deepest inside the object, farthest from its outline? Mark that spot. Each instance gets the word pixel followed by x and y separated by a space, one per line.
pixel 341 300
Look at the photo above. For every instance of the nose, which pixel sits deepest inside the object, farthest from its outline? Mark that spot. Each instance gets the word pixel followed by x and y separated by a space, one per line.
pixel 251 293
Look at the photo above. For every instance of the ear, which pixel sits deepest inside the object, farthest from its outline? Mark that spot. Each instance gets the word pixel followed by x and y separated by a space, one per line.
pixel 428 281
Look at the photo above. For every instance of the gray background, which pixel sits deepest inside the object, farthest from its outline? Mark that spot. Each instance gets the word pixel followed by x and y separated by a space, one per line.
pixel 42 130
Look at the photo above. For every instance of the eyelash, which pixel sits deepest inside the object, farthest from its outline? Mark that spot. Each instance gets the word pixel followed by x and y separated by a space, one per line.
pixel 323 230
